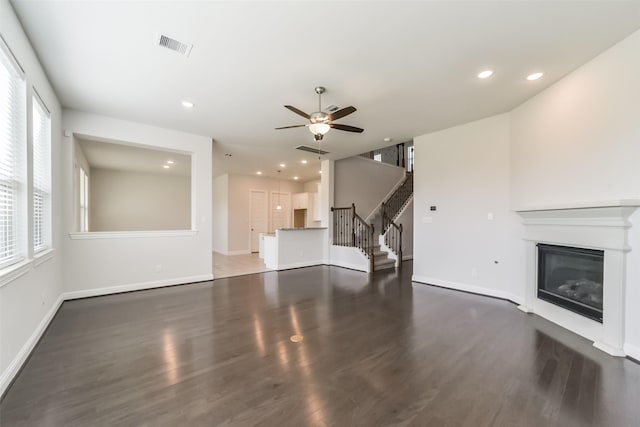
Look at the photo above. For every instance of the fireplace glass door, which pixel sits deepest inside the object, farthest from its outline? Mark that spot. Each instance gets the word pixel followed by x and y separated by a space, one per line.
pixel 571 278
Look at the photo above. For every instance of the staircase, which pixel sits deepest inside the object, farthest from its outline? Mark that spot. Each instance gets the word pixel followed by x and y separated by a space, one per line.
pixel 385 251
pixel 381 259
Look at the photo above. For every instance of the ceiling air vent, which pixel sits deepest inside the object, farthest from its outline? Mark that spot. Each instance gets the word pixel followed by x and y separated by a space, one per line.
pixel 175 45
pixel 311 150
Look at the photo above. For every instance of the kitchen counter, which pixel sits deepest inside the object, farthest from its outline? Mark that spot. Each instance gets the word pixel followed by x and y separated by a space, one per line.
pixel 302 228
pixel 295 247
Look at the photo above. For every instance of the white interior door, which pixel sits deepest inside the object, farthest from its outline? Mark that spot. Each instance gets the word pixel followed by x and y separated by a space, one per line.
pixel 280 218
pixel 258 215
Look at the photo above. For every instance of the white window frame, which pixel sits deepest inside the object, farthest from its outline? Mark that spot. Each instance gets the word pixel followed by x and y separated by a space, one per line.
pixel 41 173
pixel 411 154
pixel 12 173
pixel 83 186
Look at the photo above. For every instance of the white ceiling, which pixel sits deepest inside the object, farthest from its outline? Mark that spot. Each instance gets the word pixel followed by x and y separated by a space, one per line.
pixel 409 67
pixel 110 155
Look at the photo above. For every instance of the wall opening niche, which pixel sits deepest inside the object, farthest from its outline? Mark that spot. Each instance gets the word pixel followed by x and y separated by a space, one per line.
pixel 122 187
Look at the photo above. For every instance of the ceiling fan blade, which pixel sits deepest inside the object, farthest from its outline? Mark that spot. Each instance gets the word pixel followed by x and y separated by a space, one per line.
pixel 341 113
pixel 346 127
pixel 289 127
pixel 298 112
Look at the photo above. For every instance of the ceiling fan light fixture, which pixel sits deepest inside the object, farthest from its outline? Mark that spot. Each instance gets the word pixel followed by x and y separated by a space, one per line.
pixel 319 128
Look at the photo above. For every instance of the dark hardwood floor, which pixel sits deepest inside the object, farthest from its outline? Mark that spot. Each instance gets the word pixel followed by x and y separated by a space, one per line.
pixel 377 351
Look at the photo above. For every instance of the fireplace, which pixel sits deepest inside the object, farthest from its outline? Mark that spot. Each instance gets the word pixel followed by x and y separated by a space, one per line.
pixel 571 278
pixel 564 230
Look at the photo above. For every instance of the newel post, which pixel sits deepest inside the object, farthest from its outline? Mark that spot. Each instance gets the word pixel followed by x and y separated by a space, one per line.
pixel 400 249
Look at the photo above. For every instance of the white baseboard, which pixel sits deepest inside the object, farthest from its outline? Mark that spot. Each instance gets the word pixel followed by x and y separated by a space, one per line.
pixel 632 351
pixel 16 364
pixel 350 266
pixel 609 349
pixel 135 287
pixel 300 264
pixel 468 288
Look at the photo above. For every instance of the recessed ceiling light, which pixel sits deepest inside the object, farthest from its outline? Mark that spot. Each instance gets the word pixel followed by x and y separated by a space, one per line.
pixel 282 165
pixel 304 162
pixel 187 104
pixel 259 173
pixel 485 74
pixel 534 76
pixel 295 177
pixel 170 162
pixel 166 166
pixel 387 139
pixel 296 338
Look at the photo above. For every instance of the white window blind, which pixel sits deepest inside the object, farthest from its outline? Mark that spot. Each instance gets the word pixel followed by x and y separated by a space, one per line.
pixel 13 119
pixel 41 176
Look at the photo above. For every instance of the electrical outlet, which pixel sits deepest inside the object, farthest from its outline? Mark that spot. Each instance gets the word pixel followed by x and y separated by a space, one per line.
pixel 474 272
pixel 158 267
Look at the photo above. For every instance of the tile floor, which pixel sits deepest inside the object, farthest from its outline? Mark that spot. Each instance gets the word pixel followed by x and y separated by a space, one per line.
pixel 237 265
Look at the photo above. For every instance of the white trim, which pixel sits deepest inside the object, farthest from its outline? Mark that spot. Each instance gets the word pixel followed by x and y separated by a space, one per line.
pixel 4 46
pixel 349 266
pixel 579 222
pixel 43 256
pixel 135 287
pixel 130 234
pixel 632 351
pixel 609 349
pixel 468 288
pixel 266 219
pixel 300 264
pixel 583 205
pixel 18 361
pixel 12 272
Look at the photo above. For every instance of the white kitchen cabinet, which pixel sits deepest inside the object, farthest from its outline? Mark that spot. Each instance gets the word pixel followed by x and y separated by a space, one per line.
pixel 301 201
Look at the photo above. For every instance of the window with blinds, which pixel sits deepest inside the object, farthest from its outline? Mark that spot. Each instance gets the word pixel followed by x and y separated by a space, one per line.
pixel 13 119
pixel 41 176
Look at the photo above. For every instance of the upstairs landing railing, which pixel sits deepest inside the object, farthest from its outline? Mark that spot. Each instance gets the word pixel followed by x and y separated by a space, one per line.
pixel 390 209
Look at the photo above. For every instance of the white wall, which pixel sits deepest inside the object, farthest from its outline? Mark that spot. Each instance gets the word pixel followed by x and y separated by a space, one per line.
pixel 311 186
pixel 95 265
pixel 464 172
pixel 239 197
pixel 364 182
pixel 221 214
pixel 579 141
pixel 28 302
pixel 128 200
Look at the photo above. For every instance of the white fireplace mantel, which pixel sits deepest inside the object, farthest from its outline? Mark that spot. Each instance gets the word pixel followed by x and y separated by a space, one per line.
pixel 601 225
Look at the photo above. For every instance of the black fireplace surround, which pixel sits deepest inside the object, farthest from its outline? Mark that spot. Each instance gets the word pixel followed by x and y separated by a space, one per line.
pixel 571 278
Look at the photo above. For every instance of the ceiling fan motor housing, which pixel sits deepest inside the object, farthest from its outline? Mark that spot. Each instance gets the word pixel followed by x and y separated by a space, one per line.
pixel 319 117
